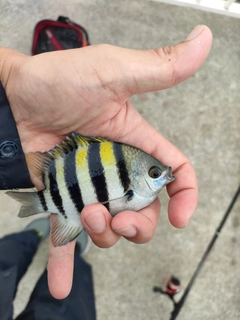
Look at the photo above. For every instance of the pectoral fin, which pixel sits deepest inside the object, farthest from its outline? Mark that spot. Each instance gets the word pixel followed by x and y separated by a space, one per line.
pixel 120 204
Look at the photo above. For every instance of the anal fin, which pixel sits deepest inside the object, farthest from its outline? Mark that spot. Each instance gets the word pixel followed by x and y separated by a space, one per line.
pixel 63 231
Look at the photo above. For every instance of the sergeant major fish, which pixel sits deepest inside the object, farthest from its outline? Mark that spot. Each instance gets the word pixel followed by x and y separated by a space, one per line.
pixel 84 170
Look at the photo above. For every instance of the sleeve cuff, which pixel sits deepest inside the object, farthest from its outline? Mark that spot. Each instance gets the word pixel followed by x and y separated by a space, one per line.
pixel 14 173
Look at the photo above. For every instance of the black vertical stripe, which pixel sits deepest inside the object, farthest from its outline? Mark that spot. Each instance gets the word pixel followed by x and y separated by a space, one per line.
pixel 70 176
pixel 42 200
pixel 53 185
pixel 121 165
pixel 96 172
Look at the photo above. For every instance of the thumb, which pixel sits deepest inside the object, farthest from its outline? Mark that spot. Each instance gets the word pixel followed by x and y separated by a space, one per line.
pixel 165 67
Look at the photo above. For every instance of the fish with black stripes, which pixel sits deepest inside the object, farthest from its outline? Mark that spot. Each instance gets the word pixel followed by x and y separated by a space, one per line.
pixel 85 170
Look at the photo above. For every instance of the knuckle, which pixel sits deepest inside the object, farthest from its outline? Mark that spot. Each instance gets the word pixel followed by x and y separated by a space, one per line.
pixel 167 55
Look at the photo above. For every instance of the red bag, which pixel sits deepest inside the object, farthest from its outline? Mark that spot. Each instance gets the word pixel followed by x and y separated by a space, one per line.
pixel 50 35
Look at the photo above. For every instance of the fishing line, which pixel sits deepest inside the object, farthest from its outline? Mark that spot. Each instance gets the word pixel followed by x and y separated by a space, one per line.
pixel 178 305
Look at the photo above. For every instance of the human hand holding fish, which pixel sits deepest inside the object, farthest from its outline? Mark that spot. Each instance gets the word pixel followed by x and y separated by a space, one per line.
pixel 87 91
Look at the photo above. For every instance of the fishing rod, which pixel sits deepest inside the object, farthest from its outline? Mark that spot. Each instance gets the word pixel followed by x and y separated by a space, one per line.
pixel 178 305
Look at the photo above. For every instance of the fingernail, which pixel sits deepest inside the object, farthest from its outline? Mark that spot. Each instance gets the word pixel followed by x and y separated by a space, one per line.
pixel 96 222
pixel 195 32
pixel 129 231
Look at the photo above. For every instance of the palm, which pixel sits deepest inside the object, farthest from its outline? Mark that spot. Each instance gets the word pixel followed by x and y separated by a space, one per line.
pixel 88 105
pixel 87 90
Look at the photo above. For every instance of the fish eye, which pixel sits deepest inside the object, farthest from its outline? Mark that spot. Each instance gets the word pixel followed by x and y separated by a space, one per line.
pixel 154 172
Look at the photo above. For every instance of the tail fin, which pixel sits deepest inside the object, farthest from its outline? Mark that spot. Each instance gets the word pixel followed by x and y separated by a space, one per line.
pixel 30 203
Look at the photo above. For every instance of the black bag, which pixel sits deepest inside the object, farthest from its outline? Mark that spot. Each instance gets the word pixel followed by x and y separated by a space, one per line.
pixel 50 35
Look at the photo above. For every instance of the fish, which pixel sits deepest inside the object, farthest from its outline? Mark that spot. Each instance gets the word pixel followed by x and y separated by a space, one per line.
pixel 85 170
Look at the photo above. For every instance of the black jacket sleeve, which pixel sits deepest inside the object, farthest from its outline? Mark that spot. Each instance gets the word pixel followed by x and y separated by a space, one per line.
pixel 13 168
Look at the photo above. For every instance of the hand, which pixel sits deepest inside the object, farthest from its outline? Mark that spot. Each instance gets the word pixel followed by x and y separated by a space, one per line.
pixel 87 90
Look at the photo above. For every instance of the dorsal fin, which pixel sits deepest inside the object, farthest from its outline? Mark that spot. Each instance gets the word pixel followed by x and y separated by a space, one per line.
pixel 85 141
pixel 38 162
pixel 71 143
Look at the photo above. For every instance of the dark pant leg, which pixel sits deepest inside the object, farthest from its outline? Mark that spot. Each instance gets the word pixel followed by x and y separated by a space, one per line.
pixel 16 253
pixel 79 305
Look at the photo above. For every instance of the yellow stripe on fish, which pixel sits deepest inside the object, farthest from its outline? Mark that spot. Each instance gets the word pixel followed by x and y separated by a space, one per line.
pixel 107 154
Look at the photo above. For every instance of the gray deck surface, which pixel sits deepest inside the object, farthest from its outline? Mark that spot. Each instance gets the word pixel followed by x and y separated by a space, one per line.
pixel 202 118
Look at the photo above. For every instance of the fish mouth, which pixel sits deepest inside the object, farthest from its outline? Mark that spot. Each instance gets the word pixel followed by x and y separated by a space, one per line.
pixel 169 176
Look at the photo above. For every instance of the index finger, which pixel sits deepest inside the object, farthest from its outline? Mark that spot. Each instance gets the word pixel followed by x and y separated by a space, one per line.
pixel 60 268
